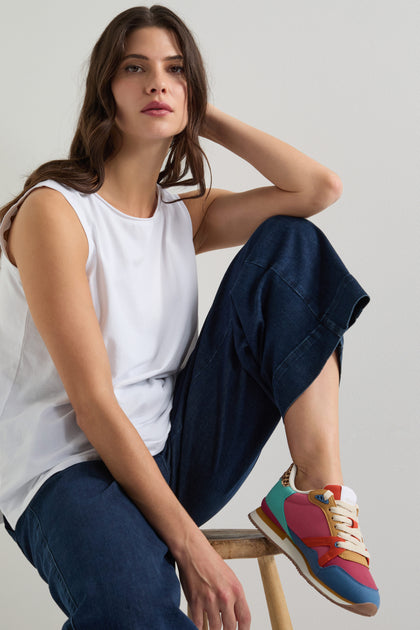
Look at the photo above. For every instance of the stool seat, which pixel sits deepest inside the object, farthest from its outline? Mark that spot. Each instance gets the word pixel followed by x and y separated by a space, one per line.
pixel 240 543
pixel 231 544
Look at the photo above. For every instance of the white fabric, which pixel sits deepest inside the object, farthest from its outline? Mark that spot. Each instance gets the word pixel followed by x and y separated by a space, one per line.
pixel 348 495
pixel 142 277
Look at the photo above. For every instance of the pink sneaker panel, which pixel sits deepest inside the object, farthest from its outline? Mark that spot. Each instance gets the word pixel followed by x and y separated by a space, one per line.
pixel 305 518
pixel 356 570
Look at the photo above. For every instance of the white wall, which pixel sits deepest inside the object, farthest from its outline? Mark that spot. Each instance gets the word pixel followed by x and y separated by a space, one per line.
pixel 338 80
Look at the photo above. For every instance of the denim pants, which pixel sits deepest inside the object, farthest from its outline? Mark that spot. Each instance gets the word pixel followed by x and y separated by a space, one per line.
pixel 281 310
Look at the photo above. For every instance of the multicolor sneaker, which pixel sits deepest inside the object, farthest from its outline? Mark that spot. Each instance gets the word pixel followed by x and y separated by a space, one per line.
pixel 318 530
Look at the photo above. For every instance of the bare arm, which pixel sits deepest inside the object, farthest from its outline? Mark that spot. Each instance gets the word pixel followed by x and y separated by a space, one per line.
pixel 301 186
pixel 50 249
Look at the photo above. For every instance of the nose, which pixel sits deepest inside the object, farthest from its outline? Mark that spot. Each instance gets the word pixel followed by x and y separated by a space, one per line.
pixel 156 85
pixel 157 90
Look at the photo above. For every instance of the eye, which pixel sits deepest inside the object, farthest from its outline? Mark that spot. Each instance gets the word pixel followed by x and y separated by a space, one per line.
pixel 176 69
pixel 133 69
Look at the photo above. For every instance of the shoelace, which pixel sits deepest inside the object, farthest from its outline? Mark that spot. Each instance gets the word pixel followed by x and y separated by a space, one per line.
pixel 346 524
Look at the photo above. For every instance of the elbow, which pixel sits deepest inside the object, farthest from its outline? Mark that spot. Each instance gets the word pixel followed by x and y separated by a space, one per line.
pixel 329 191
pixel 335 186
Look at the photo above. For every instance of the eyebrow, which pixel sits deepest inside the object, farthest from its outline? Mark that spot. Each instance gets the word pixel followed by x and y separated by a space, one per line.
pixel 136 56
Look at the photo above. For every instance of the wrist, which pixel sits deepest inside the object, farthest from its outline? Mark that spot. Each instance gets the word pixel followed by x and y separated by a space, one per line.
pixel 184 547
pixel 211 126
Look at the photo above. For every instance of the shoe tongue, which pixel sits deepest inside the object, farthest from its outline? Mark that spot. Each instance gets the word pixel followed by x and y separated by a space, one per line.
pixel 343 493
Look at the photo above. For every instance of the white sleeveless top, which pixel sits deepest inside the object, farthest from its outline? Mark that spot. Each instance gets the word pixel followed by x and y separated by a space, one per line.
pixel 143 281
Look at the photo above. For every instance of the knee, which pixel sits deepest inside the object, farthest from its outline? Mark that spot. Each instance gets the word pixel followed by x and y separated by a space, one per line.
pixel 284 238
pixel 280 229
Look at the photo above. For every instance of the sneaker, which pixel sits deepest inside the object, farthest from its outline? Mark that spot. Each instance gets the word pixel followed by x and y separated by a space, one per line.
pixel 318 530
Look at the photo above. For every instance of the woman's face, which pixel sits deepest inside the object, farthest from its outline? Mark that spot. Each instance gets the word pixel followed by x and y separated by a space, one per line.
pixel 149 87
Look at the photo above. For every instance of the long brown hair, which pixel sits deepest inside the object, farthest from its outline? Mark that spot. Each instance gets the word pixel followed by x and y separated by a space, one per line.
pixel 95 138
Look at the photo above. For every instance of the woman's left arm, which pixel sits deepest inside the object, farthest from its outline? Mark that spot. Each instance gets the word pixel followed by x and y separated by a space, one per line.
pixel 301 186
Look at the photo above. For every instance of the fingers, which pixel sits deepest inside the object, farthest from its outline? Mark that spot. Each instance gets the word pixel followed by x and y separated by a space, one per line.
pixel 243 615
pixel 235 612
pixel 229 619
pixel 222 612
pixel 215 622
pixel 211 609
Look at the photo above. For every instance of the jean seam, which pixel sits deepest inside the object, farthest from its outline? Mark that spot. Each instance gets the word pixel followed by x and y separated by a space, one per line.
pixel 331 324
pixel 210 360
pixel 59 573
pixel 307 341
pixel 324 320
pixel 291 286
pixel 293 356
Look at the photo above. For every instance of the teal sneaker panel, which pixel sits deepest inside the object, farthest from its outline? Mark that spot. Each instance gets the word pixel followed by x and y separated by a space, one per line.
pixel 275 500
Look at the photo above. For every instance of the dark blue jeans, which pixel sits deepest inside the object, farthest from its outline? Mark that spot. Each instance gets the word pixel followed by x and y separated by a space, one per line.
pixel 280 312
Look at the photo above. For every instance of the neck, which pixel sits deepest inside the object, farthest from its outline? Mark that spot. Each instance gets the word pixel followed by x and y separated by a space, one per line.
pixel 131 177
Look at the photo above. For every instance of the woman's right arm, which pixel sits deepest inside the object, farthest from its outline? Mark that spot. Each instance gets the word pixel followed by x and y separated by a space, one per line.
pixel 48 245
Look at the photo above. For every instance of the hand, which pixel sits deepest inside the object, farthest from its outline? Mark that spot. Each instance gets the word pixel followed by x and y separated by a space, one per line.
pixel 211 586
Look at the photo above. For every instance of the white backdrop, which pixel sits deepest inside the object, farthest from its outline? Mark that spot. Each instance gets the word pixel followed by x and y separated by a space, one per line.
pixel 338 80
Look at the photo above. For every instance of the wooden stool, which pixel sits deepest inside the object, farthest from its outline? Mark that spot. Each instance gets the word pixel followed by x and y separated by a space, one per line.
pixel 250 543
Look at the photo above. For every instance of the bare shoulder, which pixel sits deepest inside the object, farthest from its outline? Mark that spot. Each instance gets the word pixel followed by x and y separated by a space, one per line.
pixel 42 203
pixel 44 217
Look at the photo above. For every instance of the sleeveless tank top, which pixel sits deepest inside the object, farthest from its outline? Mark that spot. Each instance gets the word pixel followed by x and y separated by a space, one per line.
pixel 143 282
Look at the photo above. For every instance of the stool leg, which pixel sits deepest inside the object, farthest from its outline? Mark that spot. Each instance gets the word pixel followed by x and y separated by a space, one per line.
pixel 276 601
pixel 205 622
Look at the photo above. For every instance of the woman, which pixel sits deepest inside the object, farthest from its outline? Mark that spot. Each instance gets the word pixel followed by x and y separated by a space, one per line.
pixel 128 435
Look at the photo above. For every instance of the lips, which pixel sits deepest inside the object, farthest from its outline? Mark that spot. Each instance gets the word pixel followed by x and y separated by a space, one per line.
pixel 157 106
